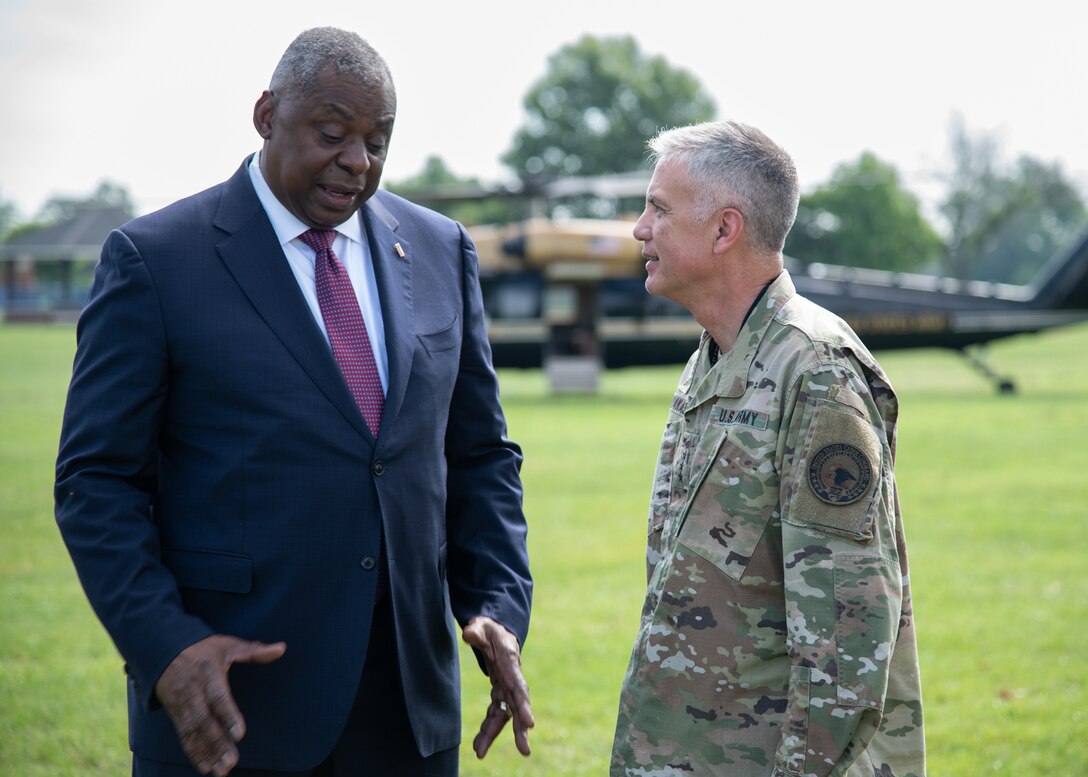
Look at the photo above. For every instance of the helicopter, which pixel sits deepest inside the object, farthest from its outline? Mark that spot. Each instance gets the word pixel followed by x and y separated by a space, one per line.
pixel 573 289
pixel 567 294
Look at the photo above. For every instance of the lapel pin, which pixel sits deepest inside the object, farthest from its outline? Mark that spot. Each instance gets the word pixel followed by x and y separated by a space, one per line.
pixel 399 250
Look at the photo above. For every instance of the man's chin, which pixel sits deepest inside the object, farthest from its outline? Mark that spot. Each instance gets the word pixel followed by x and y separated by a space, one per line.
pixel 328 218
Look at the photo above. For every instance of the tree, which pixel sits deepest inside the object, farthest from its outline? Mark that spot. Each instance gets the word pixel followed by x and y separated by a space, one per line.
pixel 436 177
pixel 1004 224
pixel 865 218
pixel 976 200
pixel 1042 215
pixel 595 107
pixel 9 217
pixel 434 173
pixel 107 193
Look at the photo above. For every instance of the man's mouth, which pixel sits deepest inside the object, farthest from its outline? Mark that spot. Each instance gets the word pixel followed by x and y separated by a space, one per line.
pixel 343 197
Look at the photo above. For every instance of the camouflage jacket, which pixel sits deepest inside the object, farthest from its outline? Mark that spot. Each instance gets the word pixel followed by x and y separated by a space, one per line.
pixel 777 636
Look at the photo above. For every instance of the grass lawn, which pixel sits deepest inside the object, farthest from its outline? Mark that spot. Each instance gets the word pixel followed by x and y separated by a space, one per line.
pixel 994 495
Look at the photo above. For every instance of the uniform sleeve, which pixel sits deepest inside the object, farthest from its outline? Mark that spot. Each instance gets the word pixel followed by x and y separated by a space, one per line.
pixel 842 585
pixel 106 473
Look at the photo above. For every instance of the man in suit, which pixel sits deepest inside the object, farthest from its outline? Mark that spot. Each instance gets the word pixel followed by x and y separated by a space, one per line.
pixel 283 457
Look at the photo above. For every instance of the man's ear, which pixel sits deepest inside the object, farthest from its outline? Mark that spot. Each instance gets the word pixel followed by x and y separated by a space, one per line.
pixel 263 112
pixel 730 228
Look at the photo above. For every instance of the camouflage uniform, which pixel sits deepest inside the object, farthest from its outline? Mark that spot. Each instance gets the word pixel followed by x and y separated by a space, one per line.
pixel 777 637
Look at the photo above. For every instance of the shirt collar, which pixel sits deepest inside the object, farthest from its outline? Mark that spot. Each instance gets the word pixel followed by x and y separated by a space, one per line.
pixel 285 223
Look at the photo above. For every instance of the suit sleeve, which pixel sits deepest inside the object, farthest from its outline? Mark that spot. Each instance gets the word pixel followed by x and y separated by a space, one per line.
pixel 488 566
pixel 842 585
pixel 106 468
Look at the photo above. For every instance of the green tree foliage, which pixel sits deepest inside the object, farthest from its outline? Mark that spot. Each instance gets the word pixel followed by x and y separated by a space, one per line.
pixel 1004 225
pixel 595 107
pixel 107 193
pixel 9 217
pixel 463 199
pixel 1044 215
pixel 863 217
pixel 975 201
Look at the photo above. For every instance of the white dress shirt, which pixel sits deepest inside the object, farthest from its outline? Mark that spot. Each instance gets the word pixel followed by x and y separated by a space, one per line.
pixel 350 247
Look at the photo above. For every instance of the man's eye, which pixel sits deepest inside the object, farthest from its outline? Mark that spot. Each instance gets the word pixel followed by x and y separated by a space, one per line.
pixel 331 138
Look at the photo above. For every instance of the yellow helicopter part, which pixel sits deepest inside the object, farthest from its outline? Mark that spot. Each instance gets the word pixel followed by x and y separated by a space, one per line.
pixel 608 246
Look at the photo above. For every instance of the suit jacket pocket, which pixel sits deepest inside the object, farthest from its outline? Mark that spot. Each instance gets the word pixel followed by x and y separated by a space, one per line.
pixel 443 339
pixel 210 570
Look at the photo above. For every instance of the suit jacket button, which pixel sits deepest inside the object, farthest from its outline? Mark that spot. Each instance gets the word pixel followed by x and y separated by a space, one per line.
pixel 368 563
pixel 378 468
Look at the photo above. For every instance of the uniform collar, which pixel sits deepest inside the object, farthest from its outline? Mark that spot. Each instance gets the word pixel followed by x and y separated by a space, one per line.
pixel 729 376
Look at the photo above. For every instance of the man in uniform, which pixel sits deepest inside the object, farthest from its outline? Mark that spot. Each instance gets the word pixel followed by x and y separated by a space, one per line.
pixel 777 636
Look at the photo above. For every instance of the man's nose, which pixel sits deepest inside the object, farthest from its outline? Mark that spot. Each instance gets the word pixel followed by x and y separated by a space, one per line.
pixel 641 229
pixel 354 158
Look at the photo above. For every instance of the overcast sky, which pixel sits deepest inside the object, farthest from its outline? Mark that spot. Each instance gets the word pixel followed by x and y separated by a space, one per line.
pixel 158 96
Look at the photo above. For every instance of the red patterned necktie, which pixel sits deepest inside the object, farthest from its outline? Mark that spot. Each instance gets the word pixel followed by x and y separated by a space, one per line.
pixel 346 328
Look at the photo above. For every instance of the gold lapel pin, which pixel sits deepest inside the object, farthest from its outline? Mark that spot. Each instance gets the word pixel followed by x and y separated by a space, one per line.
pixel 399 250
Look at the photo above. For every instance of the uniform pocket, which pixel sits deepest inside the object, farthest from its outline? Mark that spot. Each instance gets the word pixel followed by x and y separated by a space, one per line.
pixel 731 507
pixel 793 745
pixel 868 597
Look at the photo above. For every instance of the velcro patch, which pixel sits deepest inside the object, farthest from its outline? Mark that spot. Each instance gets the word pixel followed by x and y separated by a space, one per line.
pixel 838 473
pixel 739 417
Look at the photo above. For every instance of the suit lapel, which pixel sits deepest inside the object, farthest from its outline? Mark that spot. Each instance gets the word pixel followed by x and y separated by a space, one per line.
pixel 253 255
pixel 393 273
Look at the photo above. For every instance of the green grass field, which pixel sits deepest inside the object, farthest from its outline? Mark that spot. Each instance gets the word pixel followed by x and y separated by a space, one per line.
pixel 995 497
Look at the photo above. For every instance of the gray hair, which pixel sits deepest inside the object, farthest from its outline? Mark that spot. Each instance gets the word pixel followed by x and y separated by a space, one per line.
pixel 734 165
pixel 320 49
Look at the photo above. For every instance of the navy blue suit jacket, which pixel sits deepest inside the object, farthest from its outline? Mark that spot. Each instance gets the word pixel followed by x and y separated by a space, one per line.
pixel 215 476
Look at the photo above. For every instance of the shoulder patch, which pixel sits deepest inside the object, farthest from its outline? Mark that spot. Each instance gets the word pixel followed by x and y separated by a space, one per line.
pixel 840 474
pixel 837 478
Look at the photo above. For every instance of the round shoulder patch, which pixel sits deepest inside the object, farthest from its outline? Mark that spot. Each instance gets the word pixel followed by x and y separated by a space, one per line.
pixel 840 474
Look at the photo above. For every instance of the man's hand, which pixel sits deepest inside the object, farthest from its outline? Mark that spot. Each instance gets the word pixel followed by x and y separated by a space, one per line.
pixel 509 691
pixel 196 695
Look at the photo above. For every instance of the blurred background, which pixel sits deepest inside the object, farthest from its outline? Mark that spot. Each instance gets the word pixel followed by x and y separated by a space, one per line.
pixel 944 176
pixel 933 139
pixel 962 119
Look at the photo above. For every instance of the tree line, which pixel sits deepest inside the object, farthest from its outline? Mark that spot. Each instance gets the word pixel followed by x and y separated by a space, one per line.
pixel 601 98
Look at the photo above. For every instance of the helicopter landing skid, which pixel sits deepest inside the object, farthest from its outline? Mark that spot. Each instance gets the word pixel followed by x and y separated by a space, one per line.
pixel 975 357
